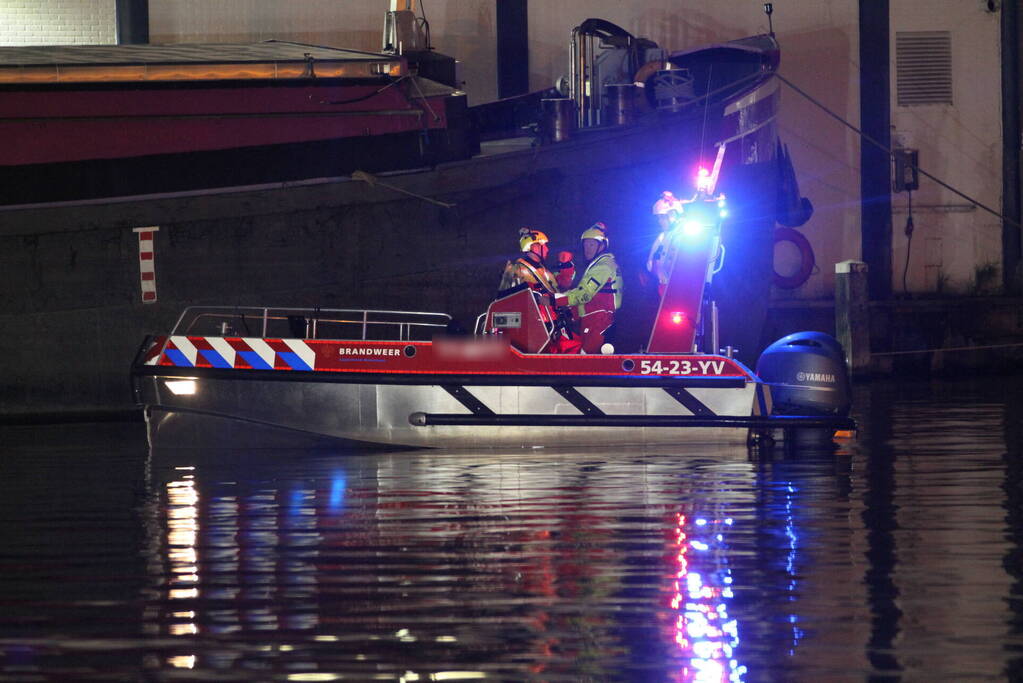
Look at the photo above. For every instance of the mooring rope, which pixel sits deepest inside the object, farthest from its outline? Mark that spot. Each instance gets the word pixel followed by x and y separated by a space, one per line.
pixel 888 150
pixel 373 181
pixel 951 348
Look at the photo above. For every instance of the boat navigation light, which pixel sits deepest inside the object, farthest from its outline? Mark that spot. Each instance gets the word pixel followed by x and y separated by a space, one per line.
pixel 181 387
pixel 677 317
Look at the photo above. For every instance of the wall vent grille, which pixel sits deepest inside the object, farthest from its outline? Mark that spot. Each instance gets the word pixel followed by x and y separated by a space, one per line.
pixel 923 67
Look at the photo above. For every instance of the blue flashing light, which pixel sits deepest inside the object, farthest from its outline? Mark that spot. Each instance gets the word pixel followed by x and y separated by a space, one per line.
pixel 693 228
pixel 701 522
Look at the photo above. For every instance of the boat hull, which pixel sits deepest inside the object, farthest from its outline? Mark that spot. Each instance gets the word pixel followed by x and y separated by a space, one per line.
pixel 188 137
pixel 247 413
pixel 452 392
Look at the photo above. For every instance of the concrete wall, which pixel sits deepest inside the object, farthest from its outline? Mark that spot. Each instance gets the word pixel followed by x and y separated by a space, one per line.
pixel 58 22
pixel 955 247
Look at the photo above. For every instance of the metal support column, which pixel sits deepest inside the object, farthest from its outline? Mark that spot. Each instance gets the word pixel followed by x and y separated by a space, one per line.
pixel 1012 136
pixel 512 48
pixel 875 164
pixel 132 22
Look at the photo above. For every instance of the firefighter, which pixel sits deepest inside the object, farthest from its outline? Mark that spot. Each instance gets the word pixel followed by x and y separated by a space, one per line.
pixel 667 209
pixel 598 293
pixel 530 268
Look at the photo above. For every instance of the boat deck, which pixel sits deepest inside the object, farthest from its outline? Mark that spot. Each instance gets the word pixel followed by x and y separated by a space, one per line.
pixel 271 59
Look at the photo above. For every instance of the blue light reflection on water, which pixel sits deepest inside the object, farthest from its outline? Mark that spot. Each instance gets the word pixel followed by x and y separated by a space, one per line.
pixel 704 632
pixel 790 562
pixel 338 482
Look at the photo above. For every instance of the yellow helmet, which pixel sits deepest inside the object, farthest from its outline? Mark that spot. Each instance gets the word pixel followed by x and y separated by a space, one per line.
pixel 528 237
pixel 597 231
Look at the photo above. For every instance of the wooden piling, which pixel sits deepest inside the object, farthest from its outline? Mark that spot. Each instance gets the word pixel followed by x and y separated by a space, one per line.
pixel 852 314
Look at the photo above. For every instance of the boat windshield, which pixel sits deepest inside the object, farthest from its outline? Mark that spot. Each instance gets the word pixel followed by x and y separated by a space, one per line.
pixel 310 323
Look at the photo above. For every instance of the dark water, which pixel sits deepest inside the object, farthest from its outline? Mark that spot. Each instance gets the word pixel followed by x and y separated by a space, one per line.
pixel 896 557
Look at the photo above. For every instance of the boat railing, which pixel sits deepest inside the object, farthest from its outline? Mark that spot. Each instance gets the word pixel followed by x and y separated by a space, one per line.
pixel 481 320
pixel 310 323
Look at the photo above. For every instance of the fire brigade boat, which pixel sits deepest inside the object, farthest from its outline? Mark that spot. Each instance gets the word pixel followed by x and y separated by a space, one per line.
pixel 272 389
pixel 297 377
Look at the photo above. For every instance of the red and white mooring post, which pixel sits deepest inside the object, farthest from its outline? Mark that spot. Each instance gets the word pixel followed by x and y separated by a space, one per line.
pixel 147 269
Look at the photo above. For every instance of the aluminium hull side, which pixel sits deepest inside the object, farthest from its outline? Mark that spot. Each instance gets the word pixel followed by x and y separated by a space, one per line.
pixel 302 410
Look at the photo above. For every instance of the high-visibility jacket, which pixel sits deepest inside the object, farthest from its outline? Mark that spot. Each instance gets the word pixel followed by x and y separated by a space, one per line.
pixel 601 283
pixel 523 270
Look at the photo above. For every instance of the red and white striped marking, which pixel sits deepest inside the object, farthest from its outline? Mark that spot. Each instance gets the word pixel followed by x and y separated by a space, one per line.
pixel 147 265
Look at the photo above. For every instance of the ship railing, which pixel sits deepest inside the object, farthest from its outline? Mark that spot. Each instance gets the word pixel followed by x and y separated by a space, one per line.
pixel 310 323
pixel 481 320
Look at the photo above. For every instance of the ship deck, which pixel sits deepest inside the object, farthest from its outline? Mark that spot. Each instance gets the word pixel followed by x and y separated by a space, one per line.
pixel 272 59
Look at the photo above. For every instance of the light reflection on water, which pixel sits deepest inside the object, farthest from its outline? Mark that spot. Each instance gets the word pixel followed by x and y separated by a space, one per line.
pixel 898 555
pixel 524 564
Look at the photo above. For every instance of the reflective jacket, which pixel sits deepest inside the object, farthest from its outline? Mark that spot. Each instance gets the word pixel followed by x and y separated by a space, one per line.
pixel 522 270
pixel 601 277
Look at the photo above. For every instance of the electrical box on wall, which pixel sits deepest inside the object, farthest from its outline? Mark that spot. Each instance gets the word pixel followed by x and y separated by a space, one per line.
pixel 906 175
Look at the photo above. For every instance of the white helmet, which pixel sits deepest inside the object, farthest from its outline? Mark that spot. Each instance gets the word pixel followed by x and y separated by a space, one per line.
pixel 666 204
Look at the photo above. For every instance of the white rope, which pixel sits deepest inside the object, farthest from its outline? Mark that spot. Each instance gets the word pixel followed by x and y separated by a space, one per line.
pixel 373 181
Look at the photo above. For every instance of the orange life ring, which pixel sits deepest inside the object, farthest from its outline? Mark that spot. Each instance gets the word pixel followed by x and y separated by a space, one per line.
pixel 806 259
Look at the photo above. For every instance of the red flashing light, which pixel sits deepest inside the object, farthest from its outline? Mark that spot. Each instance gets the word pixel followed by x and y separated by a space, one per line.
pixel 677 318
pixel 703 180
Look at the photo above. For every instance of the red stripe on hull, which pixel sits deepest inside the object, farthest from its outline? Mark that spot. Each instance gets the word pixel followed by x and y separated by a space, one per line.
pixel 59 126
pixel 487 358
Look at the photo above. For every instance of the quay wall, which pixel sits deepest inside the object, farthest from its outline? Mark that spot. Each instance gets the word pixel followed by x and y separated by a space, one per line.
pixel 935 336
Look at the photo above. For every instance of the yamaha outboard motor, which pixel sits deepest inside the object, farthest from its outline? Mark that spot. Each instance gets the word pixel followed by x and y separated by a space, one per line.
pixel 808 376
